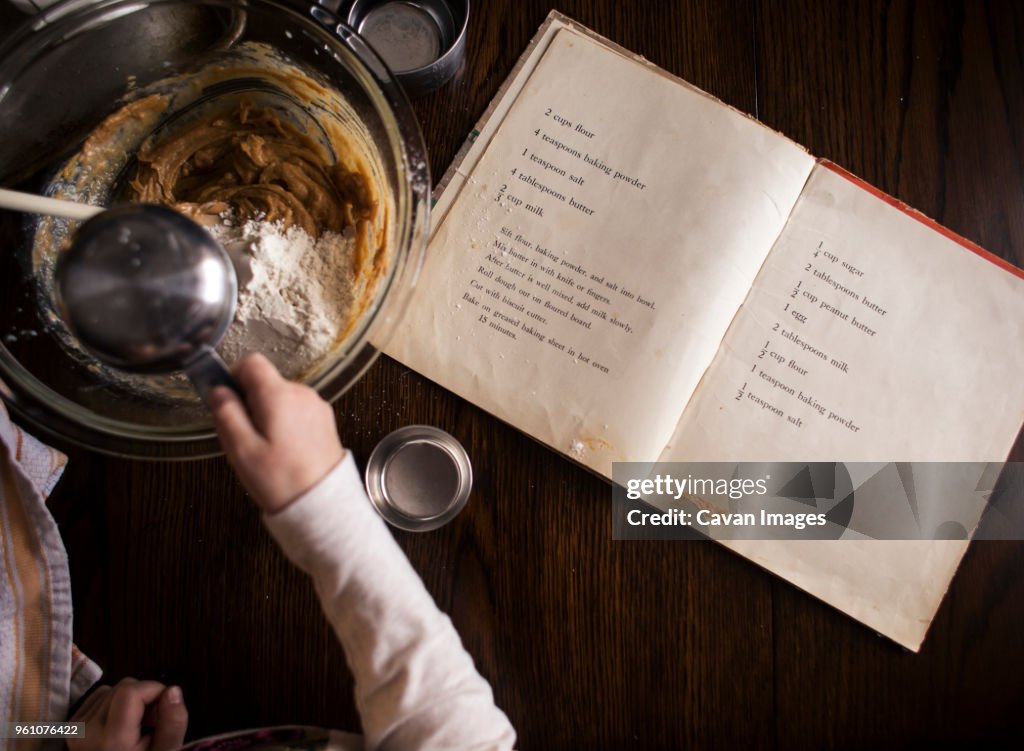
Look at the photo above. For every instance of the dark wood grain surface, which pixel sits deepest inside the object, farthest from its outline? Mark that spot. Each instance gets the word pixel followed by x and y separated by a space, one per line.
pixel 591 643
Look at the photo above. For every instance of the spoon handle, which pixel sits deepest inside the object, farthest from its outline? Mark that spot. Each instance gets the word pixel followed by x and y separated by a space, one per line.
pixel 208 372
pixel 33 204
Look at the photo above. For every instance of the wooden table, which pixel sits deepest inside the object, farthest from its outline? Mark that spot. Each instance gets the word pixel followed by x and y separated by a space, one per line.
pixel 591 643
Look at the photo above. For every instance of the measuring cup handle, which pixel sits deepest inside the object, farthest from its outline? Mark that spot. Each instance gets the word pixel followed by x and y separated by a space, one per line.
pixel 208 372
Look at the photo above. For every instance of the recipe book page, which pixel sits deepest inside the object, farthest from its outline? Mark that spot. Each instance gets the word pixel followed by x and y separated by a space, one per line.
pixel 582 281
pixel 871 334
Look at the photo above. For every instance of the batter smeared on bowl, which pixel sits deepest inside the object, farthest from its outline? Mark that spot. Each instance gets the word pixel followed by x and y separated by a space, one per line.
pixel 287 216
pixel 256 164
pixel 282 172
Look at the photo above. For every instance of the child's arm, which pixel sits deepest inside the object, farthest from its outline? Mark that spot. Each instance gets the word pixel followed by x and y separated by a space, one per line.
pixel 416 687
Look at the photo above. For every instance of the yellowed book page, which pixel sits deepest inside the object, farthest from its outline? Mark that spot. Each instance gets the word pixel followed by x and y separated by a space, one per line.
pixel 597 252
pixel 892 586
pixel 868 336
pixel 479 139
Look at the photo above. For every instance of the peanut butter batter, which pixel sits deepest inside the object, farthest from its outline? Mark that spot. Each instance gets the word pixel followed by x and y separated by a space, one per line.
pixel 247 136
pixel 254 164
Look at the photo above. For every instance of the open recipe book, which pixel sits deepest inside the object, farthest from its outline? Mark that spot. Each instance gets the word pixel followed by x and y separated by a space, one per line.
pixel 627 269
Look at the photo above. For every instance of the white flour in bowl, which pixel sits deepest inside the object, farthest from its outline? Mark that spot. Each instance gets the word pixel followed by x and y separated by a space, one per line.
pixel 294 292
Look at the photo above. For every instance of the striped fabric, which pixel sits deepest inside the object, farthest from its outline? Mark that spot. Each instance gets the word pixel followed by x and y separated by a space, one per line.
pixel 41 672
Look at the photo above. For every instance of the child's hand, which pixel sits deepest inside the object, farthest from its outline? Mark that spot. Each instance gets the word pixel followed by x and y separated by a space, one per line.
pixel 119 718
pixel 285 443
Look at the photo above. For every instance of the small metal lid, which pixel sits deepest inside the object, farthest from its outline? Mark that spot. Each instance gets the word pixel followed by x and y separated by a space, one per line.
pixel 419 478
pixel 422 41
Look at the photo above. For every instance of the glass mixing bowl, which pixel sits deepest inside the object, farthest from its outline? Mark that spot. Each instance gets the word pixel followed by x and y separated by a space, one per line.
pixel 70 67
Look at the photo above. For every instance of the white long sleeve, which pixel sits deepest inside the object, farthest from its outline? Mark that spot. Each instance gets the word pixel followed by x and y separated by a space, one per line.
pixel 415 685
